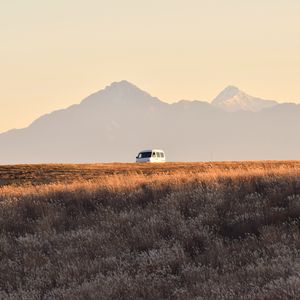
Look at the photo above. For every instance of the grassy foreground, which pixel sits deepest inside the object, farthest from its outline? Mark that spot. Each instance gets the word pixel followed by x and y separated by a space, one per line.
pixel 168 231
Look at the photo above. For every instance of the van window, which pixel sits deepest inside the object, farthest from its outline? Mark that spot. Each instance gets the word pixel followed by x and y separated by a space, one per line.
pixel 162 154
pixel 154 154
pixel 144 155
pixel 158 154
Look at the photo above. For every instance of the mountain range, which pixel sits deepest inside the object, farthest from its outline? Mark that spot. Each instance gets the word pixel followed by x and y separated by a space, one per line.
pixel 115 123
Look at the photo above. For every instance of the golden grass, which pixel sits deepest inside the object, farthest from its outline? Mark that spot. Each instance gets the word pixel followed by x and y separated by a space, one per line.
pixel 28 179
pixel 58 173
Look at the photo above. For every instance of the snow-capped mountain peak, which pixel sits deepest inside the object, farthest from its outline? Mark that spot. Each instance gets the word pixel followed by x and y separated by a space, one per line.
pixel 227 93
pixel 233 99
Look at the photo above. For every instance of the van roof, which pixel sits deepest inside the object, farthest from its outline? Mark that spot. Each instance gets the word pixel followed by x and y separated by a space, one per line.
pixel 150 150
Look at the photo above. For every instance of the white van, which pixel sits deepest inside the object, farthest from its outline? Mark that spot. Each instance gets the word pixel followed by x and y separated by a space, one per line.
pixel 153 156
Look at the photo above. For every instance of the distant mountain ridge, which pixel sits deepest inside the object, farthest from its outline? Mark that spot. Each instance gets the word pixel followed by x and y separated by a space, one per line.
pixel 118 121
pixel 233 99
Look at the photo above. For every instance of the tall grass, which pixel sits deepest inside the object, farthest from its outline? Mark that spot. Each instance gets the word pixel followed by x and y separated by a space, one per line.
pixel 222 233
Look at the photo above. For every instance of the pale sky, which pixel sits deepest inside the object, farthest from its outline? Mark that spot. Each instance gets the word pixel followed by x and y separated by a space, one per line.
pixel 53 53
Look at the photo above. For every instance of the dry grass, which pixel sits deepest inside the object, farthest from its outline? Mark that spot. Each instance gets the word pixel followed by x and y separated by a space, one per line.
pixel 168 231
pixel 57 173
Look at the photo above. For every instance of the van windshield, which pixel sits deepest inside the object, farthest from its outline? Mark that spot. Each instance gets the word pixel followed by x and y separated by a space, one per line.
pixel 144 154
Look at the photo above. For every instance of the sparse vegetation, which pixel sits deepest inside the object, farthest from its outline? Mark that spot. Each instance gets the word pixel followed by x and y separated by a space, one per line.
pixel 171 231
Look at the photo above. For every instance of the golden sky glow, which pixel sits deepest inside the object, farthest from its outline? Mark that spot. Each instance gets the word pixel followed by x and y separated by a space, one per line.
pixel 54 53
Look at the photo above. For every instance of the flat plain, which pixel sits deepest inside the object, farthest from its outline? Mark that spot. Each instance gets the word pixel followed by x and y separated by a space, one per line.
pixel 226 230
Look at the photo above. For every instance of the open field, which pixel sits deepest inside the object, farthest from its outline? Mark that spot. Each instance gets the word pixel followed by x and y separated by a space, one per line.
pixel 166 231
pixel 58 173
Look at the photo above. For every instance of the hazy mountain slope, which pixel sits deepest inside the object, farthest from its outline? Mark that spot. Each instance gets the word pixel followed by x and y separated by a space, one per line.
pixel 115 123
pixel 233 99
pixel 88 131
